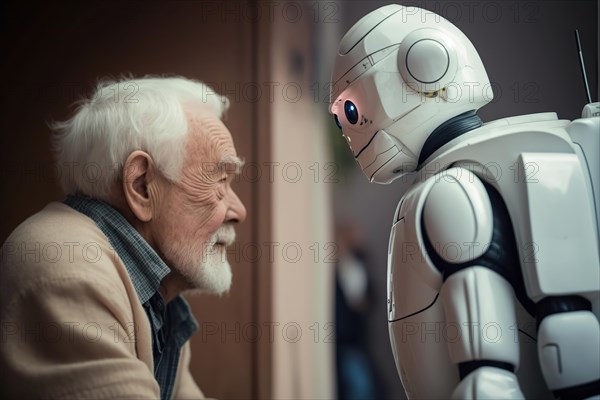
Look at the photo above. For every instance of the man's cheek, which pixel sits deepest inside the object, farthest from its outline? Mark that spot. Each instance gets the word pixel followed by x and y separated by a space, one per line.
pixel 205 214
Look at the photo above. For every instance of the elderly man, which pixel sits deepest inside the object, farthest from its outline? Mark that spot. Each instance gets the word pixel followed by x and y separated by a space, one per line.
pixel 90 303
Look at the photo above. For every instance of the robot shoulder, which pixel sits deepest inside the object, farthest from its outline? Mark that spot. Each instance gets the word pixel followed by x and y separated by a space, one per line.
pixel 462 221
pixel 449 214
pixel 457 216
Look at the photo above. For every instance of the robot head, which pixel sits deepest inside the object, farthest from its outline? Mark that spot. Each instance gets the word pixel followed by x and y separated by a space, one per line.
pixel 401 72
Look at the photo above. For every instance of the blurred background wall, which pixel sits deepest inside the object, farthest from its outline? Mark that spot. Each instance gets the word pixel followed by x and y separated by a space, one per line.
pixel 274 335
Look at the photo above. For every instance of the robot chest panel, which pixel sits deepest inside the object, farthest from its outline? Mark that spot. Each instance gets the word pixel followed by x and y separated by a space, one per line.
pixel 413 280
pixel 417 324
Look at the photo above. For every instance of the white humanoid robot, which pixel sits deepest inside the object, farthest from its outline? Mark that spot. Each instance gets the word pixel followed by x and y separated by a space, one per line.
pixel 493 266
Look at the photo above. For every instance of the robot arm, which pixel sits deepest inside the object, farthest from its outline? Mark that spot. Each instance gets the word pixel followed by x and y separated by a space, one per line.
pixel 452 219
pixel 458 221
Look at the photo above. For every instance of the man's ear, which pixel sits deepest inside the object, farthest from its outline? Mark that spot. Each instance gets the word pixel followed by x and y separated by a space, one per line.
pixel 138 174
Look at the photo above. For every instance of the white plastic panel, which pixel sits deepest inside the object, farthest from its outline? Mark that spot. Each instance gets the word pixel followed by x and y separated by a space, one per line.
pixel 489 383
pixel 407 293
pixel 563 253
pixel 364 26
pixel 458 216
pixel 480 302
pixel 569 349
pixel 586 134
pixel 427 61
pixel 421 354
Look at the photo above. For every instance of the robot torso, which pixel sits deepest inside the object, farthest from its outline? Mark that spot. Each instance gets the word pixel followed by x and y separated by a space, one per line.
pixel 541 175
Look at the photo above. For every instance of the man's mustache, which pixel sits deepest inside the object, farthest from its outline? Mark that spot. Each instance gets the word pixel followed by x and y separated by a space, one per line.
pixel 225 235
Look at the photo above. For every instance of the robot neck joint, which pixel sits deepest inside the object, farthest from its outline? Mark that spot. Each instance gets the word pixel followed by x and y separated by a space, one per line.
pixel 447 131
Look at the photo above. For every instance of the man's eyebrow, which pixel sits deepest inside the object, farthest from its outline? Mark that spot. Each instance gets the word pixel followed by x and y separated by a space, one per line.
pixel 231 165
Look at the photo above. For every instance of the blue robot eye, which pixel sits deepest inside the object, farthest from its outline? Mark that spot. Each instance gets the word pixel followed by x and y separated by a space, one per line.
pixel 351 112
pixel 337 121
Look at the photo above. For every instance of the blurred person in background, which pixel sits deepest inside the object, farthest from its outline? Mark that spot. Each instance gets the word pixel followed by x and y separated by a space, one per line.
pixel 356 377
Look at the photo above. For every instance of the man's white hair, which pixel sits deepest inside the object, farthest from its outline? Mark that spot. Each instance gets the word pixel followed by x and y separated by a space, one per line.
pixel 125 115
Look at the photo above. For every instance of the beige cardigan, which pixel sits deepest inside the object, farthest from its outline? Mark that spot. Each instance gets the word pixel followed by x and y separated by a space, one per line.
pixel 71 322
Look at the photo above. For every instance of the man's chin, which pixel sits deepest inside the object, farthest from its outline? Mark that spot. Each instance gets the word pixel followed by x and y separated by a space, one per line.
pixel 212 278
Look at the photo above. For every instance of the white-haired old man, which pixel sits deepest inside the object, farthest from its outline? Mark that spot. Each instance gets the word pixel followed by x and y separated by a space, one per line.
pixel 90 303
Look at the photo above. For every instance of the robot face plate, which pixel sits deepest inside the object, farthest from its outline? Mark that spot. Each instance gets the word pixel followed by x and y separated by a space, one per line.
pixel 364 112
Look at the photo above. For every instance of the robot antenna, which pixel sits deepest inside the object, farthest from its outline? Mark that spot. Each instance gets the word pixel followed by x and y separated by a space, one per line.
pixel 585 80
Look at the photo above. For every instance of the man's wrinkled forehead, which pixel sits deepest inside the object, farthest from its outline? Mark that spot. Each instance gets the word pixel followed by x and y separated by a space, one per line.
pixel 206 123
pixel 209 131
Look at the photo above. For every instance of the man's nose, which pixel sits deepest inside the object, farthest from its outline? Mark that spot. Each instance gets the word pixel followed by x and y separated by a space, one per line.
pixel 236 210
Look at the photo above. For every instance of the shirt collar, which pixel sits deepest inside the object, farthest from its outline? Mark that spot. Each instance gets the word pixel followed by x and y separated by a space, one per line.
pixel 144 266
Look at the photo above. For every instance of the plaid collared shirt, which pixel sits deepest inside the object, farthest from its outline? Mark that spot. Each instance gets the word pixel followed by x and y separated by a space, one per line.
pixel 172 324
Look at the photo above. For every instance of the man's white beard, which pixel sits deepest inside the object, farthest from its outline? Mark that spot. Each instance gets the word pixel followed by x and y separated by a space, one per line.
pixel 202 265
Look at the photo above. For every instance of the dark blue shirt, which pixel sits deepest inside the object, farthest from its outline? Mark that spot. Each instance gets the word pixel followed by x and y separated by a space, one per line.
pixel 172 324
